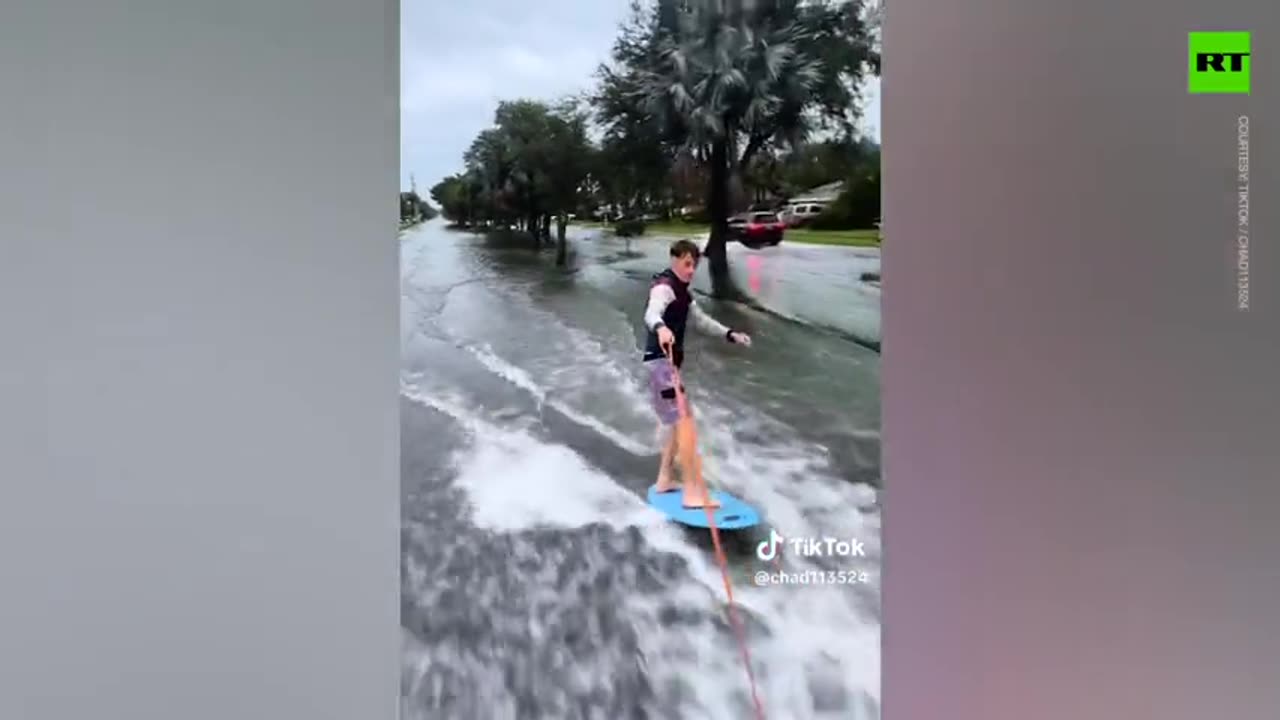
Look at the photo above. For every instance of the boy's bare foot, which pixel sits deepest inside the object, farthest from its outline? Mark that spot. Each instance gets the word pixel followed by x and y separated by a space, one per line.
pixel 666 484
pixel 693 499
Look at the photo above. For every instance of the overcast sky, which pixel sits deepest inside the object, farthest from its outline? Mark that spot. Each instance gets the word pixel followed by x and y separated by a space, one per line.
pixel 458 59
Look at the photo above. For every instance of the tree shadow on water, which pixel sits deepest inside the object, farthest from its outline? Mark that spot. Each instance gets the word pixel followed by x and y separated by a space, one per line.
pixel 517 252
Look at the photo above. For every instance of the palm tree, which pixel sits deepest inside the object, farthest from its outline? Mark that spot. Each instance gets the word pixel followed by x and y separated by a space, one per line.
pixel 731 79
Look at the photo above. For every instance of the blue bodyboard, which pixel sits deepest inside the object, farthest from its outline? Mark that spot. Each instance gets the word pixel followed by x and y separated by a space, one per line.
pixel 733 514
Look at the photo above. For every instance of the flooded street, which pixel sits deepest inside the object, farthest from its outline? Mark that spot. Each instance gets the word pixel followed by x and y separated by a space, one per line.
pixel 536 581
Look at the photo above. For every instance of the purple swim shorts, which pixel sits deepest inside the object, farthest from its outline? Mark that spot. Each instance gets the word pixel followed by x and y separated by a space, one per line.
pixel 662 391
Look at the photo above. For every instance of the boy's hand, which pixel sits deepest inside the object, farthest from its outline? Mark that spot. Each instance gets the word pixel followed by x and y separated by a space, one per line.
pixel 740 338
pixel 666 338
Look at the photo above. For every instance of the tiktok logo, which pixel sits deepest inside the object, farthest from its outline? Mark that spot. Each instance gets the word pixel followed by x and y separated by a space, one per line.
pixel 768 549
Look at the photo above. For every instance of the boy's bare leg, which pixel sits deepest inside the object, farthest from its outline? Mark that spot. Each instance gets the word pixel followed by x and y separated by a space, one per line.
pixel 666 482
pixel 696 493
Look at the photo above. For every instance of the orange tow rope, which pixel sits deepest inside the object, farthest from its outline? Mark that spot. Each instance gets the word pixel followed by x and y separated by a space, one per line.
pixel 687 452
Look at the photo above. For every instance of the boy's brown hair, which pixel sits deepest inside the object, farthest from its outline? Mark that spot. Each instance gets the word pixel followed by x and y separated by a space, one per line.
pixel 681 248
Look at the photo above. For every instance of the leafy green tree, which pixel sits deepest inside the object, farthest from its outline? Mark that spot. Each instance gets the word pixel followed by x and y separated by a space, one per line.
pixel 490 165
pixel 533 165
pixel 858 205
pixel 728 79
pixel 569 160
pixel 457 196
pixel 638 151
pixel 827 161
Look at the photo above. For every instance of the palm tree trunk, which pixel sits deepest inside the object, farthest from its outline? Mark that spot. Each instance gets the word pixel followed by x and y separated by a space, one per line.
pixel 718 208
pixel 562 244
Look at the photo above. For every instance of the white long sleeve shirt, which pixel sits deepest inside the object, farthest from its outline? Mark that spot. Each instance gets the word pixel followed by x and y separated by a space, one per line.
pixel 662 295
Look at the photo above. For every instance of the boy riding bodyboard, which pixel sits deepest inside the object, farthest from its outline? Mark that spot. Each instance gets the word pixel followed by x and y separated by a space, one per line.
pixel 669 308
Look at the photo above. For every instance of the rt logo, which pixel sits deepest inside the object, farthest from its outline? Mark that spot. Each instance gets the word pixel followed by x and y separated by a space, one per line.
pixel 1218 63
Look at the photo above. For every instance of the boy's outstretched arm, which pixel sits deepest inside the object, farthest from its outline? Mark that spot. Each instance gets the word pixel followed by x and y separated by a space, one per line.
pixel 709 325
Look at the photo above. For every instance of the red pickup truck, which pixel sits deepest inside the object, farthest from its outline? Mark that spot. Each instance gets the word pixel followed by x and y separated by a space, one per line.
pixel 757 229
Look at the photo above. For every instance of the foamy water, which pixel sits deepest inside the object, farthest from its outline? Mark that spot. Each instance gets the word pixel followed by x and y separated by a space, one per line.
pixel 575 381
pixel 515 481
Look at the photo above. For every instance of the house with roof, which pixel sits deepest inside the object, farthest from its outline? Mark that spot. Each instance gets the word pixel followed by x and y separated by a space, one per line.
pixel 809 204
pixel 823 194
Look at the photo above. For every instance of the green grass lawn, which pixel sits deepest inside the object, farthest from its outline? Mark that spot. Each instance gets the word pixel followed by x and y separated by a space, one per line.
pixel 850 238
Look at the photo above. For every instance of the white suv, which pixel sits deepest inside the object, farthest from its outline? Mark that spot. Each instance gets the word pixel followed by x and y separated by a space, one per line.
pixel 802 213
